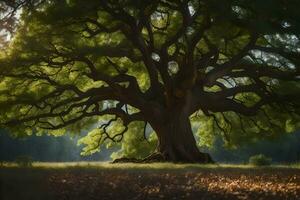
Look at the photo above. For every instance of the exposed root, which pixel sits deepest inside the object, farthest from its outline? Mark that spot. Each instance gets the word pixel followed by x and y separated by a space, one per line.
pixel 126 160
pixel 155 157
pixel 159 157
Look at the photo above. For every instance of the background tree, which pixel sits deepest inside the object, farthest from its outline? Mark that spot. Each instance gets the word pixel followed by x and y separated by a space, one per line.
pixel 230 64
pixel 44 148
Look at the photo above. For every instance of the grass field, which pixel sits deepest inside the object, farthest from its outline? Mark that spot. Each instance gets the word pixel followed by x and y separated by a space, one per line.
pixel 96 180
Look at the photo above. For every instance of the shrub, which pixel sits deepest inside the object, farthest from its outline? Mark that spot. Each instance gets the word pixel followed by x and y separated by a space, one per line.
pixel 260 160
pixel 24 161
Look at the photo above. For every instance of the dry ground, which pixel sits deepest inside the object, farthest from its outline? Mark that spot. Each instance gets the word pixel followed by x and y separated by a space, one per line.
pixel 156 181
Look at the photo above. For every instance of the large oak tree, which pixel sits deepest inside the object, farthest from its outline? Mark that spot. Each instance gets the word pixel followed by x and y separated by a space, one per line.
pixel 75 64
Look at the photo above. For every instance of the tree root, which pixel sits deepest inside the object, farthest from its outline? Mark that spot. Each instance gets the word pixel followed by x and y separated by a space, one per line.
pixel 155 157
pixel 159 157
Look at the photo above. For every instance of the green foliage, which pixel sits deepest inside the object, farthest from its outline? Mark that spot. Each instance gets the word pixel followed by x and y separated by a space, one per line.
pixel 48 84
pixel 238 130
pixel 133 145
pixel 260 160
pixel 203 128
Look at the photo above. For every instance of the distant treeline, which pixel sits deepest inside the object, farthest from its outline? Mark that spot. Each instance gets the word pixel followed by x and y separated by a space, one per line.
pixel 285 149
pixel 48 148
pixel 45 148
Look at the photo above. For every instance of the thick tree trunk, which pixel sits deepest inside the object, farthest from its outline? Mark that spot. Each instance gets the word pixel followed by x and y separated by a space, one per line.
pixel 177 142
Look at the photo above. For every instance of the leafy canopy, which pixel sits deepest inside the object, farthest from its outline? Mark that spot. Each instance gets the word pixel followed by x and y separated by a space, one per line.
pixel 109 67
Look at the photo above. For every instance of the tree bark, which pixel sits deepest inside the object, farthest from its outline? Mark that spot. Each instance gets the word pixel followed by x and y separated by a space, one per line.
pixel 176 142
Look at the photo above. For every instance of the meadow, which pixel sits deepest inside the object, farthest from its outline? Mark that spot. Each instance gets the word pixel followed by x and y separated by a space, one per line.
pixel 103 180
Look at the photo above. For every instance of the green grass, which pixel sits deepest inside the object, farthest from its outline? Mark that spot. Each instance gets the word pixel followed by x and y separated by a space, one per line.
pixel 142 166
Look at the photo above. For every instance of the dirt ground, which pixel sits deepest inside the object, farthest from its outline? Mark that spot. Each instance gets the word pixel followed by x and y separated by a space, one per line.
pixel 215 183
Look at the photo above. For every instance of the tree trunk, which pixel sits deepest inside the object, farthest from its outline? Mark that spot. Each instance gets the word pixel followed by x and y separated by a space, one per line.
pixel 176 142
